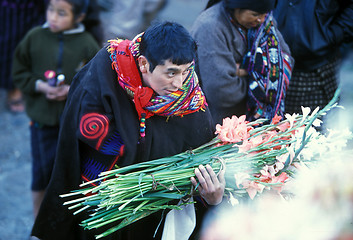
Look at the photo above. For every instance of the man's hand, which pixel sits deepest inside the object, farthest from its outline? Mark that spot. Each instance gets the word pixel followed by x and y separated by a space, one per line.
pixel 211 187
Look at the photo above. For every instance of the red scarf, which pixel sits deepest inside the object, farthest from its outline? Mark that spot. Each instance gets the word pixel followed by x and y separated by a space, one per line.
pixel 129 75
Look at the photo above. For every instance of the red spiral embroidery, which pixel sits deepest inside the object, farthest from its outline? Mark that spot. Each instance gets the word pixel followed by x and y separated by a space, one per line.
pixel 94 126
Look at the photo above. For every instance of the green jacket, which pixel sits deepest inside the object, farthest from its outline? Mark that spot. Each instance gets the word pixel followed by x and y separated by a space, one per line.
pixel 38 52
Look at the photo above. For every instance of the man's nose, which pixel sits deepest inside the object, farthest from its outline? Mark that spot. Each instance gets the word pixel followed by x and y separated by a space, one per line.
pixel 178 81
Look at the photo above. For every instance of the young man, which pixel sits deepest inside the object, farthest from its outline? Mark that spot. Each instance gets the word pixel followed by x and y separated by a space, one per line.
pixel 135 101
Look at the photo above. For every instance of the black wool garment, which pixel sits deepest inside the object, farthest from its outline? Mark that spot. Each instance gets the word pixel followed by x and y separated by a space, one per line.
pixel 96 98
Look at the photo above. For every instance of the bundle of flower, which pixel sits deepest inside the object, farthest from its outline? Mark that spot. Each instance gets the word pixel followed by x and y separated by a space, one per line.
pixel 257 157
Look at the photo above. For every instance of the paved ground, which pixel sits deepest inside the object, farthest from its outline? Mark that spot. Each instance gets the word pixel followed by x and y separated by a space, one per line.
pixel 15 198
pixel 15 160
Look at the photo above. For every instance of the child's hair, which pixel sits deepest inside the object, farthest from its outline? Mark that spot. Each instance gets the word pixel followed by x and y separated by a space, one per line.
pixel 78 7
pixel 167 41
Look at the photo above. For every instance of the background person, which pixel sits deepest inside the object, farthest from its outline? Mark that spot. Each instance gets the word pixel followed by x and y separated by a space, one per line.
pixel 127 18
pixel 63 46
pixel 314 31
pixel 221 32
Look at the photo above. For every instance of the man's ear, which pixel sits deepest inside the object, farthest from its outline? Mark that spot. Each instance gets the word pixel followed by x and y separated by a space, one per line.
pixel 143 64
pixel 80 18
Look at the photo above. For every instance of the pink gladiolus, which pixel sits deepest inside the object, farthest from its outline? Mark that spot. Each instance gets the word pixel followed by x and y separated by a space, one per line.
pixel 268 171
pixel 252 188
pixel 233 129
pixel 279 166
pixel 245 146
pixel 284 126
pixel 279 179
pixel 270 134
pixel 240 178
pixel 250 143
pixel 283 158
pixel 276 119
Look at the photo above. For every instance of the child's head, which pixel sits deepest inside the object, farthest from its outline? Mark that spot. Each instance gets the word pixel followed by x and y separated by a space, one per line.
pixel 63 15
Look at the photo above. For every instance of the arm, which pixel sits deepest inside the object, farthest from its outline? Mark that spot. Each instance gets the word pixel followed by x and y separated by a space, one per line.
pixel 341 30
pixel 22 75
pixel 221 80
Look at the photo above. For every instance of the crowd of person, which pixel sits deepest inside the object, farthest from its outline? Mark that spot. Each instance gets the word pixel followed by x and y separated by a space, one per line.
pixel 105 86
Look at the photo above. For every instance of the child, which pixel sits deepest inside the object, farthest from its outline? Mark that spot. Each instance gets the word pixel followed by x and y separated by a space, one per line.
pixel 45 63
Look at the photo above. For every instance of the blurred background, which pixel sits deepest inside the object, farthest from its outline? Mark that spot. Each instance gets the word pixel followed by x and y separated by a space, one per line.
pixel 15 157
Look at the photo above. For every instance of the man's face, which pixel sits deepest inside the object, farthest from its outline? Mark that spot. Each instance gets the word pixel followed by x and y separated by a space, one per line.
pixel 166 78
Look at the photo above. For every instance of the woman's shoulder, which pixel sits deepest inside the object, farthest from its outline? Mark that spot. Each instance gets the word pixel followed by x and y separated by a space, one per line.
pixel 210 17
pixel 213 20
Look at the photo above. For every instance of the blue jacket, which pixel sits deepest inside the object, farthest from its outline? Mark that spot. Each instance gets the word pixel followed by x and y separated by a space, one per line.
pixel 314 29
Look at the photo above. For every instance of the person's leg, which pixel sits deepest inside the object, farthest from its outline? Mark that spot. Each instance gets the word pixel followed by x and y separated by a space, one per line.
pixel 43 143
pixel 36 173
pixel 15 101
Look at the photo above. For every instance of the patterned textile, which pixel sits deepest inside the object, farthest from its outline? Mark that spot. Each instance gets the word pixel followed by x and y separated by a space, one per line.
pixel 186 100
pixel 94 126
pixel 16 18
pixel 312 89
pixel 269 72
pixel 94 129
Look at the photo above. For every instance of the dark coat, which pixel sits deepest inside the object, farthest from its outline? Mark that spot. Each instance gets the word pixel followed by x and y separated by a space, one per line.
pixel 314 29
pixel 96 90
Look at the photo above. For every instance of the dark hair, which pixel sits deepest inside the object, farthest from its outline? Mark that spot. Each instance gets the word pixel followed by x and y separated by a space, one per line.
pixel 260 6
pixel 167 41
pixel 210 3
pixel 78 6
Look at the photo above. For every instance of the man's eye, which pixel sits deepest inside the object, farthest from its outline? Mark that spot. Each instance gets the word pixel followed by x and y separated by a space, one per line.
pixel 171 74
